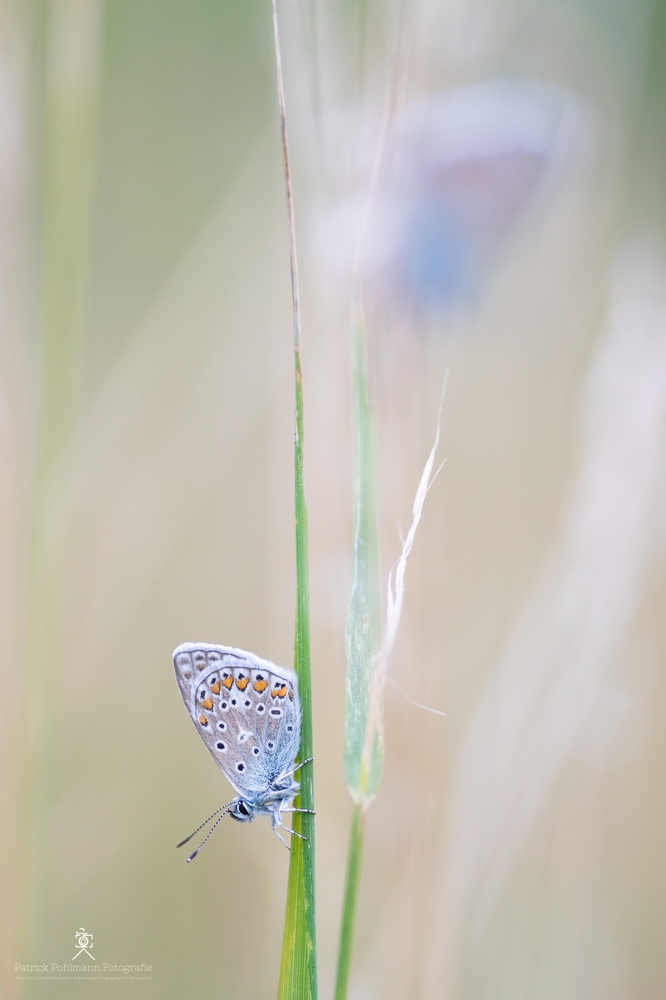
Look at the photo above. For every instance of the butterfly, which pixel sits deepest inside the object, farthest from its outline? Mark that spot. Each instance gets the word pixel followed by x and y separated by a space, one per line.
pixel 461 170
pixel 247 712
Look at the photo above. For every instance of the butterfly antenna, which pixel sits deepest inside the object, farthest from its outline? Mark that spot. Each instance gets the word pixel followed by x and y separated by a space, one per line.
pixel 222 809
pixel 194 853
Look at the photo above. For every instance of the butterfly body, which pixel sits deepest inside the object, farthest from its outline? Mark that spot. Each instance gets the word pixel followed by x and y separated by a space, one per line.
pixel 248 713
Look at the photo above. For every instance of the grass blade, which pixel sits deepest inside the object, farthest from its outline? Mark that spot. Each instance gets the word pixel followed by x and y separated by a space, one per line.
pixel 71 80
pixel 364 749
pixel 368 650
pixel 363 734
pixel 298 967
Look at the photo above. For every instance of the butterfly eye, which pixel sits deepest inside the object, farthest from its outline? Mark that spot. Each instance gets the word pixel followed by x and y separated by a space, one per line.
pixel 242 808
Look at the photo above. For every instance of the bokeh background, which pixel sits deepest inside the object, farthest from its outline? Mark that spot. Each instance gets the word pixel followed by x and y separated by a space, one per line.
pixel 494 170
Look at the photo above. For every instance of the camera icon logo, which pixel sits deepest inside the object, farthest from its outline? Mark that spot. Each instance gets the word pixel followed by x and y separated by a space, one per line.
pixel 84 941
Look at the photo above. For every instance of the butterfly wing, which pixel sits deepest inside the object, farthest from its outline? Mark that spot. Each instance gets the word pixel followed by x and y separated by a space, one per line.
pixel 245 709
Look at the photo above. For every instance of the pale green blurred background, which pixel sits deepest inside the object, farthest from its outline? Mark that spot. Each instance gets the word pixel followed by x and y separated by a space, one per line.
pixel 515 850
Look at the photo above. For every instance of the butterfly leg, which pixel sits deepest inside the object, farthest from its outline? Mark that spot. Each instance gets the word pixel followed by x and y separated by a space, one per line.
pixel 281 838
pixel 277 822
pixel 286 774
pixel 311 811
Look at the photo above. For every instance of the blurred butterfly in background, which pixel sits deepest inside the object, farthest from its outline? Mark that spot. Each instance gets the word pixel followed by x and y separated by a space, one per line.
pixel 462 167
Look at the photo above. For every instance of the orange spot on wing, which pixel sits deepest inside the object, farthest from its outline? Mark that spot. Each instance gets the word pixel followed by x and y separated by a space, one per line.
pixel 215 687
pixel 260 686
pixel 228 681
pixel 279 692
pixel 291 695
pixel 242 683
pixel 207 703
pixel 203 720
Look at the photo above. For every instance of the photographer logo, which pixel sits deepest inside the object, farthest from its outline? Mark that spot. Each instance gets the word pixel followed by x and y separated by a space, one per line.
pixel 84 941
pixel 81 968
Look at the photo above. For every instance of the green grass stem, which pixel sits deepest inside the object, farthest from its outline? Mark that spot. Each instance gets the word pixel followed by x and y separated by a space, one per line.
pixel 298 968
pixel 352 880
